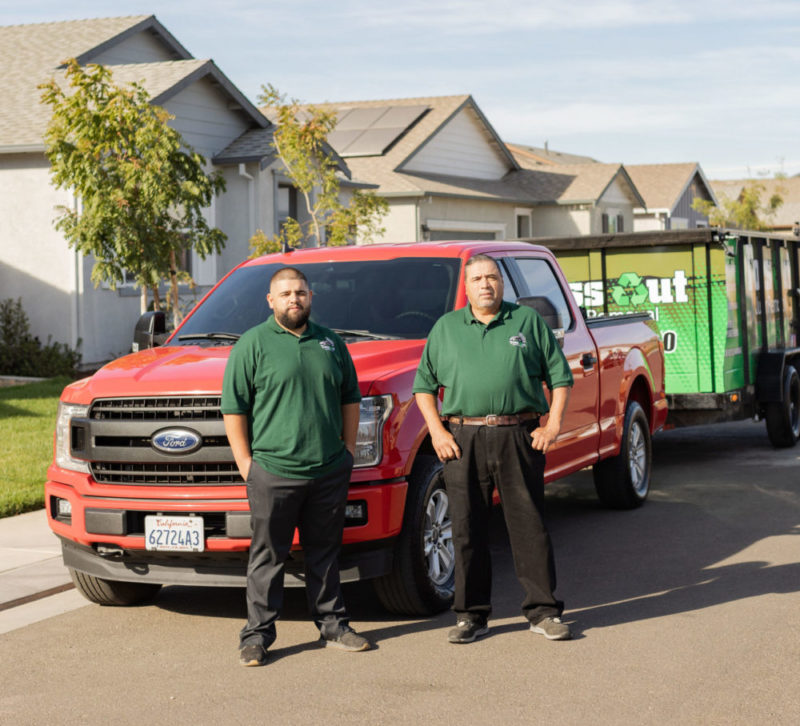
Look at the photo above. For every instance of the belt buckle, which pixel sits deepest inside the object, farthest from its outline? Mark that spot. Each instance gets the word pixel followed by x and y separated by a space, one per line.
pixel 491 419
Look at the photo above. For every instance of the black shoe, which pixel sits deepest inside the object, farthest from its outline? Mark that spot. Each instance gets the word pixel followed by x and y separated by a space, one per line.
pixel 467 630
pixel 253 655
pixel 348 640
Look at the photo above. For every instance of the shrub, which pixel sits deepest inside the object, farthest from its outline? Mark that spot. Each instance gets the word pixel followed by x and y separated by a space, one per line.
pixel 23 354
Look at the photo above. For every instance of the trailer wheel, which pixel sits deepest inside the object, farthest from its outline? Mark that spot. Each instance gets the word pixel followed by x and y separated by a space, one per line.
pixel 783 419
pixel 623 481
pixel 112 592
pixel 422 579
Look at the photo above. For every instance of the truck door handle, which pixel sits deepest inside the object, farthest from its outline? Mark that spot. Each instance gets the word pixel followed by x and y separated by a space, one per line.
pixel 588 360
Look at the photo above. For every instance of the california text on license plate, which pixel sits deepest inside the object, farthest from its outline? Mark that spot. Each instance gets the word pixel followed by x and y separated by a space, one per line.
pixel 173 534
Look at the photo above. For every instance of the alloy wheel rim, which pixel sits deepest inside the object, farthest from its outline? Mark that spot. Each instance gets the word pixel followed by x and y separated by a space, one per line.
pixel 438 538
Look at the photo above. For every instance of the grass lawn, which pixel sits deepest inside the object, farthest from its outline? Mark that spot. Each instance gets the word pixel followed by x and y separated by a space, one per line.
pixel 27 422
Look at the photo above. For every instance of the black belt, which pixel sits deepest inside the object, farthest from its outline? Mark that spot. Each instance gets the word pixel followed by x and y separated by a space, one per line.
pixel 492 419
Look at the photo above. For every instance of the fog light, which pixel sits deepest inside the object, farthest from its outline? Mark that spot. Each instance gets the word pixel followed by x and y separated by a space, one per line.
pixel 64 507
pixel 355 514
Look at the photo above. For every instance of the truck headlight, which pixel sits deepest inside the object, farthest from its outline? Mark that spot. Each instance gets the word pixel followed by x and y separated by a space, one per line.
pixel 64 432
pixel 369 441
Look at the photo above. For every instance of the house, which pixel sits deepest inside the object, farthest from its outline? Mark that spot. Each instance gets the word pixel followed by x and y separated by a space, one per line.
pixel 213 117
pixel 787 217
pixel 446 174
pixel 578 198
pixel 668 191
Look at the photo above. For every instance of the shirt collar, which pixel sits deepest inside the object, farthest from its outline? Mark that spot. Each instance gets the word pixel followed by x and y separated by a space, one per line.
pixel 502 314
pixel 309 332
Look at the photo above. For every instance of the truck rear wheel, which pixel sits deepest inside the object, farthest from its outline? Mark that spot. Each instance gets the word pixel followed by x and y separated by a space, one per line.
pixel 112 592
pixel 422 578
pixel 623 481
pixel 783 419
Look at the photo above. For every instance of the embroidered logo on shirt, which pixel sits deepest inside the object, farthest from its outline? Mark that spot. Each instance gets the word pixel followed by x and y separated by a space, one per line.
pixel 518 340
pixel 327 344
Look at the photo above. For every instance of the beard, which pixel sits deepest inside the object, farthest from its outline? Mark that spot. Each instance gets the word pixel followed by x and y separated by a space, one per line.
pixel 293 319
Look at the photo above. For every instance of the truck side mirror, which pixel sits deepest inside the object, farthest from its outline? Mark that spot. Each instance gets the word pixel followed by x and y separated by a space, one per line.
pixel 150 331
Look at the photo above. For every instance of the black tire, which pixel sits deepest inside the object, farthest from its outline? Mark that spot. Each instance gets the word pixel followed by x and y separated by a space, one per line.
pixel 623 481
pixel 112 592
pixel 422 579
pixel 783 419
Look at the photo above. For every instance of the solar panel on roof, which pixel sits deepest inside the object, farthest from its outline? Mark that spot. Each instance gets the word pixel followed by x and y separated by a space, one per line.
pixel 369 131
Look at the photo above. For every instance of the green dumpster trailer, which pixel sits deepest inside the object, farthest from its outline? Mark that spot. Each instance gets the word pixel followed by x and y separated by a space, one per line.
pixel 727 303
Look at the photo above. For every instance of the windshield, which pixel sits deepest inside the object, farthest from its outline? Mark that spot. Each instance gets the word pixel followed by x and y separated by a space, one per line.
pixel 400 298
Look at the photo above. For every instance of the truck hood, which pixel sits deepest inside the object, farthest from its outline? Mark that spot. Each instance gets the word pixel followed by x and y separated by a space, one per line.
pixel 193 370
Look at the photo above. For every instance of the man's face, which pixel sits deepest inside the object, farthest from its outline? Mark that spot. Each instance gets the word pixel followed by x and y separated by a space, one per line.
pixel 290 300
pixel 484 285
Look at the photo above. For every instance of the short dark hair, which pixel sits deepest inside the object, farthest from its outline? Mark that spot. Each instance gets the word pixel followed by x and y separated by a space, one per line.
pixel 291 273
pixel 480 257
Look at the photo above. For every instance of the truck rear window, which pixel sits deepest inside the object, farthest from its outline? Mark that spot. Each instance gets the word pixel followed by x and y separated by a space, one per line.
pixel 399 298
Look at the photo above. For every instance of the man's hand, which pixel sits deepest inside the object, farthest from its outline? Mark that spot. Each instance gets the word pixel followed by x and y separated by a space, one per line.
pixel 445 445
pixel 543 437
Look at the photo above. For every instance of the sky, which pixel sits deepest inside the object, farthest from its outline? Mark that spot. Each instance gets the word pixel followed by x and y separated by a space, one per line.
pixel 630 81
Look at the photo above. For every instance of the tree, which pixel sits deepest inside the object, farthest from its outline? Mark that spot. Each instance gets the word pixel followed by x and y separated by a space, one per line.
pixel 141 189
pixel 300 141
pixel 747 211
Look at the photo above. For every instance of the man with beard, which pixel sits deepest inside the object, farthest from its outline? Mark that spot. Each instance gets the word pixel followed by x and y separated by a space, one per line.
pixel 290 401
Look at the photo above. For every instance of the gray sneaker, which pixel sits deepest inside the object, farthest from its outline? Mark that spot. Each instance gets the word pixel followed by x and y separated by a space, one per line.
pixel 467 630
pixel 253 655
pixel 348 640
pixel 552 629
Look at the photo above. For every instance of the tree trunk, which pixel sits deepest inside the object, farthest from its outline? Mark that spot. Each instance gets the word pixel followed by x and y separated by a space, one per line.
pixel 143 300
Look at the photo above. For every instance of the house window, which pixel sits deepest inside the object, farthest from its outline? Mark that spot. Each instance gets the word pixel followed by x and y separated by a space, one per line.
pixel 612 222
pixel 286 205
pixel 524 225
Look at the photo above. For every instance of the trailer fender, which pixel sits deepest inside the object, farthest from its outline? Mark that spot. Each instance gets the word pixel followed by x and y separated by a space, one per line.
pixel 770 386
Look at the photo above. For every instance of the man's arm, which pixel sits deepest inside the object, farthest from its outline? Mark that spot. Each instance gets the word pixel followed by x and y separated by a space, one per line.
pixel 350 416
pixel 543 436
pixel 239 439
pixel 443 442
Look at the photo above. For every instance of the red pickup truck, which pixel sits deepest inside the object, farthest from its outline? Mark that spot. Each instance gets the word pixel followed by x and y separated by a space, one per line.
pixel 144 491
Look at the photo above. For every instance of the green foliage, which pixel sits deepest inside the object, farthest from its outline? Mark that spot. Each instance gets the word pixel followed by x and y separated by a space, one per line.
pixel 142 191
pixel 27 420
pixel 22 354
pixel 300 140
pixel 747 211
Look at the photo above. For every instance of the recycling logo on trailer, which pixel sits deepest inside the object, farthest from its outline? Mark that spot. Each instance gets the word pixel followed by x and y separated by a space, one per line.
pixel 629 290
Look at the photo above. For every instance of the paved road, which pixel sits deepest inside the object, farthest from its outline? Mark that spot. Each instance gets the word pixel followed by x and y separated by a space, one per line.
pixel 686 611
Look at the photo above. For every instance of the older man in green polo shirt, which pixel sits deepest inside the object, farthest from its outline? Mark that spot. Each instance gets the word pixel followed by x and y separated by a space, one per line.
pixel 290 401
pixel 491 358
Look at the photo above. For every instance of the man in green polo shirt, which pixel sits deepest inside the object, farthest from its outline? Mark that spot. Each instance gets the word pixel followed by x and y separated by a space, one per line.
pixel 290 401
pixel 491 358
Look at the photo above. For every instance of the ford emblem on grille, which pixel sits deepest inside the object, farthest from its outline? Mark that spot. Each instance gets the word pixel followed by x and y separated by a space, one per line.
pixel 176 441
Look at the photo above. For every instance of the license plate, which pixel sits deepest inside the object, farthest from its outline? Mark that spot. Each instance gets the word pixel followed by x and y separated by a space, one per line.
pixel 173 534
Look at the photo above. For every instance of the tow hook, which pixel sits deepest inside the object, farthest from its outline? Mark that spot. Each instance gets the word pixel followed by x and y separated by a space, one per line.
pixel 111 552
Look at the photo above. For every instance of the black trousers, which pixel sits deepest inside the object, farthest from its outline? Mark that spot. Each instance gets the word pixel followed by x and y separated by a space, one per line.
pixel 501 457
pixel 278 505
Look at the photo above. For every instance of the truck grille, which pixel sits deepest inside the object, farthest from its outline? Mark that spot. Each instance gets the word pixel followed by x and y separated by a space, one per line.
pixel 169 410
pixel 105 472
pixel 116 439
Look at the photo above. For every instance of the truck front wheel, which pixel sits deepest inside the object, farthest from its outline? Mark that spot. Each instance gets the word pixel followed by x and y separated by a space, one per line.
pixel 623 481
pixel 112 592
pixel 422 578
pixel 783 418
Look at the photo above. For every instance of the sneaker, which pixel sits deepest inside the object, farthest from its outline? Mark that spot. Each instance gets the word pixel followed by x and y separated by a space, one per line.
pixel 348 640
pixel 253 655
pixel 467 630
pixel 552 629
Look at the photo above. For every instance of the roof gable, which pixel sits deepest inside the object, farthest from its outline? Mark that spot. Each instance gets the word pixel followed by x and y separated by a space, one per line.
pixel 36 51
pixel 663 185
pixel 463 146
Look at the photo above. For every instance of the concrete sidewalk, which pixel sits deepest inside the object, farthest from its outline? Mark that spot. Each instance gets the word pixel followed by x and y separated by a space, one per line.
pixel 34 584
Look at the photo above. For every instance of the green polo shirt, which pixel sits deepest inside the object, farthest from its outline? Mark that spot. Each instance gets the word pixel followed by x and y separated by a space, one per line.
pixel 292 390
pixel 497 368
